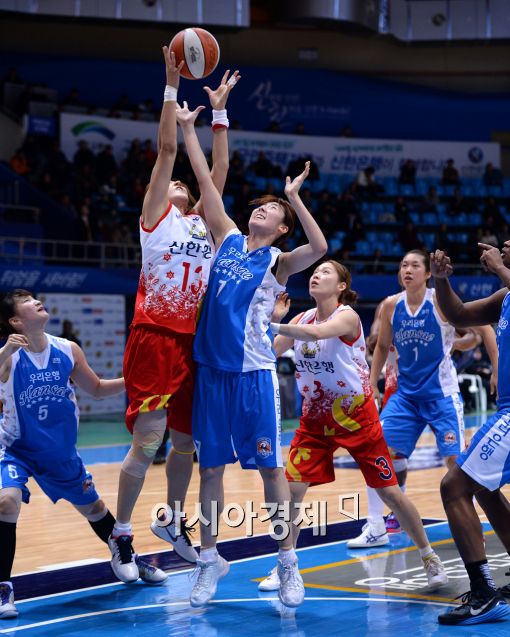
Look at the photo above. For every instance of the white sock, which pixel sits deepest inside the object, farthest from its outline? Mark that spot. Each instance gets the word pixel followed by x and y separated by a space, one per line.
pixel 375 508
pixel 425 552
pixel 403 488
pixel 287 555
pixel 120 528
pixel 209 555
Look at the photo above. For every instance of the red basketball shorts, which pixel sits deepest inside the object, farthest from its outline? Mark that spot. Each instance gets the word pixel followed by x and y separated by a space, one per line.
pixel 159 374
pixel 315 442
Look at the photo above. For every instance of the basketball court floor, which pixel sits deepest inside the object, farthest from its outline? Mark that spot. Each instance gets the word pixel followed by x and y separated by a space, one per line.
pixel 64 585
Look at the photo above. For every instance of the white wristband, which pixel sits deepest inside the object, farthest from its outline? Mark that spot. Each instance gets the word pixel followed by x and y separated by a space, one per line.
pixel 170 94
pixel 219 118
pixel 275 328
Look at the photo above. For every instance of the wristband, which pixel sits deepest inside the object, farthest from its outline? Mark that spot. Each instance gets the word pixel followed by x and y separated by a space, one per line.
pixel 275 328
pixel 170 94
pixel 220 119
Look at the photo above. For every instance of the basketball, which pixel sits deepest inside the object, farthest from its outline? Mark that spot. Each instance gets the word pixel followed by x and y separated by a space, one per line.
pixel 199 50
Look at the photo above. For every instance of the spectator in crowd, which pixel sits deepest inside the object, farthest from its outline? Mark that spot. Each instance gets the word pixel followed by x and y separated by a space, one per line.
pixel 442 239
pixel 273 127
pixel 492 176
pixel 84 156
pixel 488 236
pixel 376 265
pixel 69 333
pixel 262 166
pixel 347 131
pixel 346 209
pixel 408 238
pixel 458 203
pixel 450 174
pixel 503 234
pixel 430 201
pixel 408 173
pixel 123 104
pixel 366 184
pixel 106 165
pixel 58 165
pixel 295 168
pixel 19 163
pixel 492 209
pixel 401 210
pixel 300 129
pixel 236 170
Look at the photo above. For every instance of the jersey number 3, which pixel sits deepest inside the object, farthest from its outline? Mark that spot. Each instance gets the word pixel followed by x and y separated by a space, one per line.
pixel 385 472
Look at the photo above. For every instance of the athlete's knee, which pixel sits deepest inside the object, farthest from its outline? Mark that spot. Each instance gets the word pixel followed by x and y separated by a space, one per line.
pixel 391 496
pixel 147 437
pixel 450 461
pixel 182 443
pixel 271 474
pixel 94 511
pixel 10 507
pixel 211 474
pixel 454 486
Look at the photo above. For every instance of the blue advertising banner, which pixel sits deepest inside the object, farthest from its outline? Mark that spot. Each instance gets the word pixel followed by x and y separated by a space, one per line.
pixel 370 287
pixel 323 101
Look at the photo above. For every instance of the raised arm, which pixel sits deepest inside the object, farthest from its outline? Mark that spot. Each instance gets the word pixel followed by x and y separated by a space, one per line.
pixel 220 154
pixel 302 257
pixel 216 217
pixel 87 379
pixel 343 324
pixel 459 314
pixel 13 344
pixel 156 197
pixel 384 340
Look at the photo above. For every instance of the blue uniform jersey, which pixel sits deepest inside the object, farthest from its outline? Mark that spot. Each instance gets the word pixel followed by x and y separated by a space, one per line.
pixel 40 414
pixel 503 340
pixel 233 332
pixel 423 341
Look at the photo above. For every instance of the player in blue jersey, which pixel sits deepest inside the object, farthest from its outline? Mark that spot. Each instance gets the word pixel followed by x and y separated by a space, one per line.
pixel 484 467
pixel 236 408
pixel 428 390
pixel 39 426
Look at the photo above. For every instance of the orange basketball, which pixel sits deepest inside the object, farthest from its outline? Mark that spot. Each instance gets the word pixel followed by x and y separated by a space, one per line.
pixel 199 50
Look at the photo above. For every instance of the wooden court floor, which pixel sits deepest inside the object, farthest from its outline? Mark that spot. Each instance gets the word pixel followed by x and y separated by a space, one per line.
pixel 51 535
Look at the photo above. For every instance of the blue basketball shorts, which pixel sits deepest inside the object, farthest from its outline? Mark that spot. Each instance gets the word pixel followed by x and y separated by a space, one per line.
pixel 404 419
pixel 487 459
pixel 236 416
pixel 67 479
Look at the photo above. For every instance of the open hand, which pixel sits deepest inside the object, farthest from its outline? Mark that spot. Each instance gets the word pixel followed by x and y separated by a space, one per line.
pixel 440 265
pixel 14 343
pixel 218 98
pixel 172 69
pixel 292 186
pixel 184 116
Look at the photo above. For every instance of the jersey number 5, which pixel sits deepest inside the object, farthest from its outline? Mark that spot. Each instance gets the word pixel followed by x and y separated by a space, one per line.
pixel 385 472
pixel 43 412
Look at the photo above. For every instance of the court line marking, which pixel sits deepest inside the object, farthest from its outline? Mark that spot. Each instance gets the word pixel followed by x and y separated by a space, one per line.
pixel 112 611
pixel 188 570
pixel 346 589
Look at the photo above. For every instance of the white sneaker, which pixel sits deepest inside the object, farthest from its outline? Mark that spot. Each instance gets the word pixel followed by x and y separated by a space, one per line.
pixel 7 608
pixel 271 582
pixel 292 590
pixel 369 537
pixel 148 573
pixel 180 541
pixel 434 569
pixel 123 560
pixel 209 574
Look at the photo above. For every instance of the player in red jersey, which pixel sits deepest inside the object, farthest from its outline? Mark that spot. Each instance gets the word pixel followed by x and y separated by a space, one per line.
pixel 158 367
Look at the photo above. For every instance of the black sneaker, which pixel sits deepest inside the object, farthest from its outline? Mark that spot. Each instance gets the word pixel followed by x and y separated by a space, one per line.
pixel 476 609
pixel 505 590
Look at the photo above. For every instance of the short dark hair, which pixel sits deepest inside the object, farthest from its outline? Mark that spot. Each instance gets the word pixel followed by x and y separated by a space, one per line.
pixel 421 253
pixel 289 215
pixel 8 309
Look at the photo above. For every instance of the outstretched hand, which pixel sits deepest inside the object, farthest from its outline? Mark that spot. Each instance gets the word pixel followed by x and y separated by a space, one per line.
pixel 491 257
pixel 218 98
pixel 440 265
pixel 172 68
pixel 185 117
pixel 292 186
pixel 281 307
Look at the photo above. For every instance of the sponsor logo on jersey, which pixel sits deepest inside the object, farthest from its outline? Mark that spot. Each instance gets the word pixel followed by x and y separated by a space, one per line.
pixel 310 352
pixel 264 447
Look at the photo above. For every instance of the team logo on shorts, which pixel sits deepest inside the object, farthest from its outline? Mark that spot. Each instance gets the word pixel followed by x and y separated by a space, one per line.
pixel 88 485
pixel 450 438
pixel 264 447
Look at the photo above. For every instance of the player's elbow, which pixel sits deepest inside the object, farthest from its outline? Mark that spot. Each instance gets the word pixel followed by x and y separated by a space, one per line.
pixel 168 148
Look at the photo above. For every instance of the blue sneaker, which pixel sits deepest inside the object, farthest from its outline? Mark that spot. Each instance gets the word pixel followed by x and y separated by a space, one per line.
pixel 392 524
pixel 477 609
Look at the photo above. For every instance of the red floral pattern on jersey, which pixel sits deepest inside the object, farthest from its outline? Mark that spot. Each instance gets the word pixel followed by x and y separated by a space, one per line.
pixel 168 301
